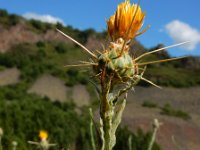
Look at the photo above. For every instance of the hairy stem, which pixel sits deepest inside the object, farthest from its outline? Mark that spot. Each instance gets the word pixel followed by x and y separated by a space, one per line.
pixel 110 113
pixel 106 113
pixel 156 125
pixel 91 130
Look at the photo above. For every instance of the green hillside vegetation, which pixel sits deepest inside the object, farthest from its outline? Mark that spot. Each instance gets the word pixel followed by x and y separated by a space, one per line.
pixel 137 141
pixel 168 110
pixel 22 115
pixel 42 57
pixel 8 20
pixel 177 73
pixel 22 119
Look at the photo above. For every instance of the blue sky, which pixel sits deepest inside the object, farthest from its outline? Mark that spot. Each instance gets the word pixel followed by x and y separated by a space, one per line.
pixel 171 21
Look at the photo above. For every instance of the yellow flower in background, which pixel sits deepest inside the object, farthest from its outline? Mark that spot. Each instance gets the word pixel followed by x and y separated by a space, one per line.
pixel 43 135
pixel 126 21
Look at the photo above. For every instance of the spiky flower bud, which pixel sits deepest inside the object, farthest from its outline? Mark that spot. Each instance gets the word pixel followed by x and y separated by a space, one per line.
pixel 117 63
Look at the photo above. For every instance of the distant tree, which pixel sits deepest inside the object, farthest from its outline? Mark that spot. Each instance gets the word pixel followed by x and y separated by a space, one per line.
pixel 3 13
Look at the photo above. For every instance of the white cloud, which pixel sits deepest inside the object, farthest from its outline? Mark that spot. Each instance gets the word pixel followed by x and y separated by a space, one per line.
pixel 181 32
pixel 44 18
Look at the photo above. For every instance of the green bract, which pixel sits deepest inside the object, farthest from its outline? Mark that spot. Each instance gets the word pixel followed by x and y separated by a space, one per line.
pixel 121 66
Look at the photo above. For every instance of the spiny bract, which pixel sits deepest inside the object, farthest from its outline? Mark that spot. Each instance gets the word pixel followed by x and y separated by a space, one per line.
pixel 120 66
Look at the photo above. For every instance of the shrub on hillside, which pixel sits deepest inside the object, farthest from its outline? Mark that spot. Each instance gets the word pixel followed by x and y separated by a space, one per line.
pixel 168 110
pixel 149 104
pixel 139 140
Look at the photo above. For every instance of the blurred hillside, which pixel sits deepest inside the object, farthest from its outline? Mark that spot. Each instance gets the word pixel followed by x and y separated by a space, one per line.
pixel 38 92
pixel 17 33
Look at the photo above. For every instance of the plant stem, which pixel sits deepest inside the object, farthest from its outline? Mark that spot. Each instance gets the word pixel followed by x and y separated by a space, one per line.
pixel 156 125
pixel 106 113
pixel 130 142
pixel 106 116
pixel 111 110
pixel 91 130
pixel 1 148
pixel 152 138
pixel 14 148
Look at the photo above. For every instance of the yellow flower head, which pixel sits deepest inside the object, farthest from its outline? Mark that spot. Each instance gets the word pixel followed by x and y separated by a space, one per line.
pixel 126 21
pixel 43 135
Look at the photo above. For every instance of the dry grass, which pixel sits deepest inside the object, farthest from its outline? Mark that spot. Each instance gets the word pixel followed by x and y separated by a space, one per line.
pixel 9 76
pixel 55 89
pixel 186 133
pixel 51 87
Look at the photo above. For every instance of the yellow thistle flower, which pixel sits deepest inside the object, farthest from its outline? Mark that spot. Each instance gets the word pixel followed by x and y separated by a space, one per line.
pixel 126 21
pixel 43 135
